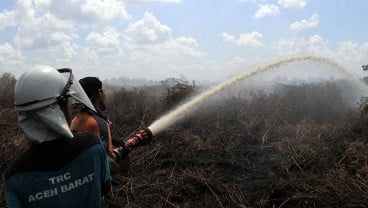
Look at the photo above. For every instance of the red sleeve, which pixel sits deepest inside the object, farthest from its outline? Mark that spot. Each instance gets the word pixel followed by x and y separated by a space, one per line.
pixel 84 122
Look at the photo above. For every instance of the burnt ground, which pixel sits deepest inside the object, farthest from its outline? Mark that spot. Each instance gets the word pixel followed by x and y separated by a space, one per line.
pixel 307 169
pixel 268 151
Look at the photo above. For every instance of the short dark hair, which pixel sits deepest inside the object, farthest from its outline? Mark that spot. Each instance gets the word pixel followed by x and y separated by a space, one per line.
pixel 91 85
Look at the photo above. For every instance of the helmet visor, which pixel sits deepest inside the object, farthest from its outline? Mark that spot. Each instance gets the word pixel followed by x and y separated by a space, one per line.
pixel 75 90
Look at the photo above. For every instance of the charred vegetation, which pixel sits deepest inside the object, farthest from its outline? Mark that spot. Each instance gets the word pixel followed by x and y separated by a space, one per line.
pixel 300 145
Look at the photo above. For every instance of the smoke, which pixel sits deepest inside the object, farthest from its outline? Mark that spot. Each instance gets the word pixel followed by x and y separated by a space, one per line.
pixel 180 112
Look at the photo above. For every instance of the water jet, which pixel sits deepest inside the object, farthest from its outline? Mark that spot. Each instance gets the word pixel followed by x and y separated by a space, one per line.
pixel 181 111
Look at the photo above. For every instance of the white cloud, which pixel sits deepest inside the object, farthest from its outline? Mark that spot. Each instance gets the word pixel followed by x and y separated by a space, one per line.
pixel 36 28
pixel 228 37
pixel 267 10
pixel 99 46
pixel 304 24
pixel 10 58
pixel 252 39
pixel 352 55
pixel 148 30
pixel 104 10
pixel 316 39
pixel 246 1
pixel 85 12
pixel 64 52
pixel 292 3
pixel 24 9
pixel 42 4
pixel 364 52
pixel 7 18
pixel 53 26
pixel 238 61
pixel 173 51
pixel 148 39
pixel 317 45
pixel 152 51
pixel 146 47
pixel 349 52
pixel 22 13
pixel 187 41
pixel 162 60
pixel 153 1
pixel 43 32
pixel 186 46
pixel 314 44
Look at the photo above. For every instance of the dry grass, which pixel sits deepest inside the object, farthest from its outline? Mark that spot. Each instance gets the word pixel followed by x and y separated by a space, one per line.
pixel 254 150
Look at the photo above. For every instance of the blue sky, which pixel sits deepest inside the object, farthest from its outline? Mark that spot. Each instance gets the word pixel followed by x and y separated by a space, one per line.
pixel 199 39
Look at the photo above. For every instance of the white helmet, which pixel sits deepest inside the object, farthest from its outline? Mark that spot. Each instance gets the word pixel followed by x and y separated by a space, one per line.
pixel 38 95
pixel 44 85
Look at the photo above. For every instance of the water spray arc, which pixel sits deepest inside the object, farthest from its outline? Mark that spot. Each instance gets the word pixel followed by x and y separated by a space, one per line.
pixel 169 119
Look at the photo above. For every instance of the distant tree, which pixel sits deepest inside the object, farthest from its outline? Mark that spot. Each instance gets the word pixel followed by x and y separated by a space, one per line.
pixel 365 68
pixel 7 84
pixel 177 90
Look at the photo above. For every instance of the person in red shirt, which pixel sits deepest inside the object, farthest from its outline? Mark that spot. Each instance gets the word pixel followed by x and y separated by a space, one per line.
pixel 94 121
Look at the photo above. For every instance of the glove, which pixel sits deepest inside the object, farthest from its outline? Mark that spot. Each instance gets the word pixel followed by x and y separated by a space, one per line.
pixel 117 154
pixel 144 134
pixel 140 137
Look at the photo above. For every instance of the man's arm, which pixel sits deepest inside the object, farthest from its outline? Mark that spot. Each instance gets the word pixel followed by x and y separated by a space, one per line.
pixel 105 173
pixel 140 137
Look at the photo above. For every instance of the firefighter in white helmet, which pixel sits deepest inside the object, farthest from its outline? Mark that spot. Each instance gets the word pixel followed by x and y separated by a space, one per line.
pixel 59 169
